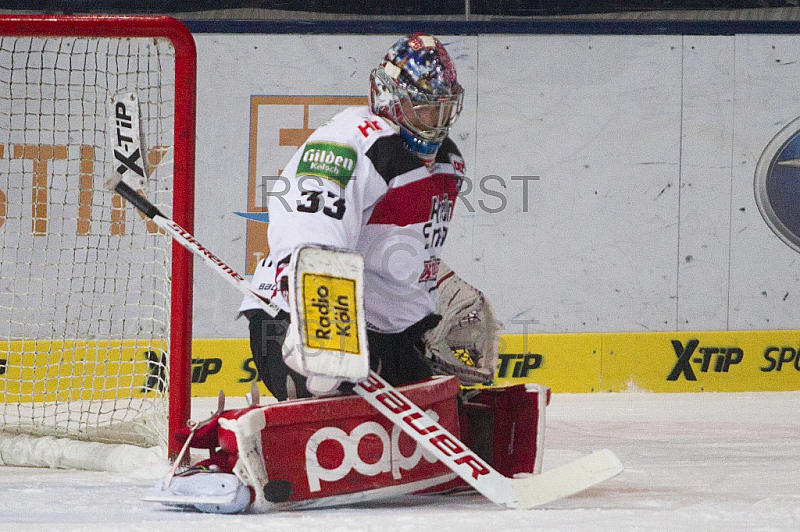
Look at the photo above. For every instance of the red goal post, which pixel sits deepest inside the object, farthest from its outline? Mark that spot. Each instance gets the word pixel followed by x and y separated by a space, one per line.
pixel 95 305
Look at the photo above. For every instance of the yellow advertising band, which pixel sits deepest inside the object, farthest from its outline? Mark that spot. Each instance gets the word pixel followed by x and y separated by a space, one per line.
pixel 719 361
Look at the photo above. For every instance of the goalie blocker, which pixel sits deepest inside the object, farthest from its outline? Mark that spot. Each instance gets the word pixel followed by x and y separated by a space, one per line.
pixel 326 340
pixel 331 451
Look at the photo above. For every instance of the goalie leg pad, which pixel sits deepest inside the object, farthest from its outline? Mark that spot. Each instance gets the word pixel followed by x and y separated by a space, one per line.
pixel 250 467
pixel 326 451
pixel 337 447
pixel 506 426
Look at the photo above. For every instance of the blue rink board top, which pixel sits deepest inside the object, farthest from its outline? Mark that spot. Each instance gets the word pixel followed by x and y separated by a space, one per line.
pixel 467 27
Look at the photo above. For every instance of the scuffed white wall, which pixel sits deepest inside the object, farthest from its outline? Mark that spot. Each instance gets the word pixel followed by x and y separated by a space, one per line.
pixel 638 154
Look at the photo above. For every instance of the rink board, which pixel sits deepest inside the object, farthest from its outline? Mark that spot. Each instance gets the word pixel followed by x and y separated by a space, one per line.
pixel 613 190
pixel 721 361
pixel 88 370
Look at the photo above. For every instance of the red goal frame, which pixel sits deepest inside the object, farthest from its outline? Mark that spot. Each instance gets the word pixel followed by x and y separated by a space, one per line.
pixel 183 169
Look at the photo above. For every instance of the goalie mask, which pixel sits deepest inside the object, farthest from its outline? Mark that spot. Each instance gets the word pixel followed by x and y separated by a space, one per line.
pixel 415 88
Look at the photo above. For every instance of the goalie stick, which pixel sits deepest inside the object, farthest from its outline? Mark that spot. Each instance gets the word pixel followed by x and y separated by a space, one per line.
pixel 514 493
pixel 524 493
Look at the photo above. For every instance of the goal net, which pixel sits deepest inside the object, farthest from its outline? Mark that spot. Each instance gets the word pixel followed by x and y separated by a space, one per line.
pixel 95 303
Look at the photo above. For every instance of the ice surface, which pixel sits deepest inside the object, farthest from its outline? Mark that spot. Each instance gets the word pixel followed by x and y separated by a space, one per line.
pixel 703 462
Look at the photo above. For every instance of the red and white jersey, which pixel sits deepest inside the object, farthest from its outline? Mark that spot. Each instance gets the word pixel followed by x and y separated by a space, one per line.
pixel 354 185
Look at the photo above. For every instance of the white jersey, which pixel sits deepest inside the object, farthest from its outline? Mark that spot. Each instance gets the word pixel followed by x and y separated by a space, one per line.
pixel 354 185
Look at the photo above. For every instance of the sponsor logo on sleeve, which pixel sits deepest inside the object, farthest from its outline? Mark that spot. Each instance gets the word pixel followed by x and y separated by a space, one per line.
pixel 459 168
pixel 328 160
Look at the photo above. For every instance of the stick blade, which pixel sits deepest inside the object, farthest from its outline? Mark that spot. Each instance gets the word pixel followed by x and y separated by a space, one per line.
pixel 566 480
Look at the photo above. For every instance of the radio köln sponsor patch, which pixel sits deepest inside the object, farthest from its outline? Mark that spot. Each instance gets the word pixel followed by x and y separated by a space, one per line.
pixel 777 184
pixel 329 304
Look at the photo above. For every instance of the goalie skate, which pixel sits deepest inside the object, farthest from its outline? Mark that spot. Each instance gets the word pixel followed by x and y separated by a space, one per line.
pixel 207 491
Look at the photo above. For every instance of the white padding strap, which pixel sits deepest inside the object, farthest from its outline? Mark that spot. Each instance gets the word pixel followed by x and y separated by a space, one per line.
pixel 250 466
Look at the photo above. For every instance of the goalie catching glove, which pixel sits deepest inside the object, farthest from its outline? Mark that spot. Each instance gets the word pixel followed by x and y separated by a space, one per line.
pixel 465 342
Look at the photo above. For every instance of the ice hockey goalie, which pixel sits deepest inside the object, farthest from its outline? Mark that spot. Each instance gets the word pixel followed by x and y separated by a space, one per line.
pixel 326 451
pixel 339 450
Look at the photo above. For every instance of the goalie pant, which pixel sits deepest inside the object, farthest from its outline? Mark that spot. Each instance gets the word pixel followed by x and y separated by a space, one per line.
pixel 331 451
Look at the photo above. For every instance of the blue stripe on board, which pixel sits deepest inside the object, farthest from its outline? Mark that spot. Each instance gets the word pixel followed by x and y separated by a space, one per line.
pixel 255 216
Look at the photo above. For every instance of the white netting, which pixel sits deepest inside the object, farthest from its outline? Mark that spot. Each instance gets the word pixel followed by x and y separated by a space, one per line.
pixel 84 281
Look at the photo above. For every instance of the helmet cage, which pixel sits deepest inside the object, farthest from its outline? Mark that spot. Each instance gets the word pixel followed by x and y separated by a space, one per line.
pixel 430 116
pixel 425 119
